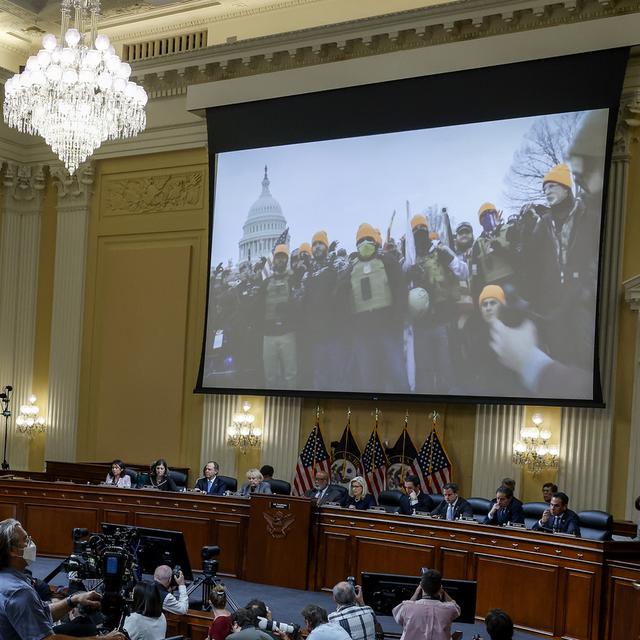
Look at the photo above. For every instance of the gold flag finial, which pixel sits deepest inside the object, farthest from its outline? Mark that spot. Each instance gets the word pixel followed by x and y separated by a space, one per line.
pixel 434 417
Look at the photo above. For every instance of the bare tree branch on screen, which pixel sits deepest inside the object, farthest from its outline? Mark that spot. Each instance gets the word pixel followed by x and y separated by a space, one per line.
pixel 544 146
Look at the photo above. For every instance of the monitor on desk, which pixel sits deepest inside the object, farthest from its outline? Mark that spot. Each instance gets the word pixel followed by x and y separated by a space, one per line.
pixel 156 547
pixel 383 591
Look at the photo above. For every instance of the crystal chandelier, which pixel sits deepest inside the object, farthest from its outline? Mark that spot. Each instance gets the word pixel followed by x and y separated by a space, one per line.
pixel 75 93
pixel 242 434
pixel 532 450
pixel 29 422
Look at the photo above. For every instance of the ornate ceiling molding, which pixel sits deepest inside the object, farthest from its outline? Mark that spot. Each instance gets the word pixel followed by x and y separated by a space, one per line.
pixel 439 25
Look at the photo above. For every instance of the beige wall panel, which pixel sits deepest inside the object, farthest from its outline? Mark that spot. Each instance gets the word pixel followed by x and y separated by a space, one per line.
pixel 139 346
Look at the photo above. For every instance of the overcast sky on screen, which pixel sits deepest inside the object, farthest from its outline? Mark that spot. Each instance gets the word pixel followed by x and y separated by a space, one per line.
pixel 337 184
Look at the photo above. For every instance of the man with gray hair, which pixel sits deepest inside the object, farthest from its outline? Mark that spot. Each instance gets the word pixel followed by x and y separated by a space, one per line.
pixel 163 577
pixel 352 614
pixel 23 615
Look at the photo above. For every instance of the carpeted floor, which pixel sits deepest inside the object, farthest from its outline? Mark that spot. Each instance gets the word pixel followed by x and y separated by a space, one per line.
pixel 285 604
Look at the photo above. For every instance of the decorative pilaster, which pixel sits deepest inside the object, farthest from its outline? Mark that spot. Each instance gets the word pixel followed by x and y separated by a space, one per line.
pixel 216 418
pixel 632 296
pixel 585 434
pixel 74 195
pixel 19 253
pixel 497 428
pixel 281 435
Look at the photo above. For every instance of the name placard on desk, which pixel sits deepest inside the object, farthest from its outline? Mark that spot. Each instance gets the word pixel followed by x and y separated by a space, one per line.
pixel 279 505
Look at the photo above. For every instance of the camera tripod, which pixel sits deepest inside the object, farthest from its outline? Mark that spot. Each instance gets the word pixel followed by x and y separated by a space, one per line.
pixel 208 582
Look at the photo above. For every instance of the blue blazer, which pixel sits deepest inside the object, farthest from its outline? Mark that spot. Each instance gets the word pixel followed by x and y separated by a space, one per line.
pixel 365 503
pixel 218 487
pixel 568 522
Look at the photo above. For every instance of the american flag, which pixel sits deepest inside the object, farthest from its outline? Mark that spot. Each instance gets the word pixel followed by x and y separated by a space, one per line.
pixel 374 464
pixel 314 457
pixel 433 464
pixel 283 238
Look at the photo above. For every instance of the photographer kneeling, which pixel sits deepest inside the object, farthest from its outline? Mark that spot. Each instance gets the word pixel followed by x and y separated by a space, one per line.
pixel 23 615
pixel 244 626
pixel 430 611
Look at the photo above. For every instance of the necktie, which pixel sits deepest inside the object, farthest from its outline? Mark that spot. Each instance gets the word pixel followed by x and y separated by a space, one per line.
pixel 555 523
pixel 209 485
pixel 450 512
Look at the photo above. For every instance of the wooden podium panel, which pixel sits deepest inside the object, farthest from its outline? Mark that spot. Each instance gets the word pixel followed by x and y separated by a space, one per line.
pixel 278 540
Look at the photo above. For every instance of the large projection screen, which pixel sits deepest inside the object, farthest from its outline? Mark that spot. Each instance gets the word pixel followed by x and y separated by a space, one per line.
pixel 435 237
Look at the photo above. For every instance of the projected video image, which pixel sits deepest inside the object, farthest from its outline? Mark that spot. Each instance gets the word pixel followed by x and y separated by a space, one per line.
pixel 459 260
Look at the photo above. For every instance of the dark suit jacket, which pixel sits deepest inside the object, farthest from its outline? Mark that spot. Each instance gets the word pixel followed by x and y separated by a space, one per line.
pixel 568 522
pixel 332 494
pixel 365 503
pixel 462 508
pixel 513 513
pixel 218 487
pixel 425 503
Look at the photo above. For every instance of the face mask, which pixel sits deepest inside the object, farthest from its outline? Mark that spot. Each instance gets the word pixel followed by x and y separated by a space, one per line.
pixel 366 249
pixel 29 552
pixel 488 223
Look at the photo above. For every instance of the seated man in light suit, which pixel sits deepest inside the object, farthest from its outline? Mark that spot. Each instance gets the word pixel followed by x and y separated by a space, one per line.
pixel 324 492
pixel 504 509
pixel 255 484
pixel 453 506
pixel 211 484
pixel 557 518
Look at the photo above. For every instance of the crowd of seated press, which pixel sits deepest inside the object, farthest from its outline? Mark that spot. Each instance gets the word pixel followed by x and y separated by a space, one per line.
pixel 551 514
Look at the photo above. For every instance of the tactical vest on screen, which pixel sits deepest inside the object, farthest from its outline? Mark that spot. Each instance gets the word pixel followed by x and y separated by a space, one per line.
pixel 439 281
pixel 370 287
pixel 277 299
pixel 495 267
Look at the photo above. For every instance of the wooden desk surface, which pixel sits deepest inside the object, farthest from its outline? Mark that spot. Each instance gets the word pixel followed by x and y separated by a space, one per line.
pixel 556 586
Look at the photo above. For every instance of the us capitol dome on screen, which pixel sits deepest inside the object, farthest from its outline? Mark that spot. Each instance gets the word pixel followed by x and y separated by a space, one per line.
pixel 263 226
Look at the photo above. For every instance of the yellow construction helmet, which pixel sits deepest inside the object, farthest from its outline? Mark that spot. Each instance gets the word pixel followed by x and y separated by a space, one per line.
pixel 418 219
pixel 365 230
pixel 492 291
pixel 484 208
pixel 320 236
pixel 281 248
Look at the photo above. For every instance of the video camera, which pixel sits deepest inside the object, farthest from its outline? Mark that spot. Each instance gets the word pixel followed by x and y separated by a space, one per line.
pixel 110 558
pixel 265 624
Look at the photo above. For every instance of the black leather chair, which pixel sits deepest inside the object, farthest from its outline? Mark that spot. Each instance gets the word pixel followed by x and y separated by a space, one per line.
pixel 596 525
pixel 533 512
pixel 133 476
pixel 179 478
pixel 281 487
pixel 232 483
pixel 344 494
pixel 480 508
pixel 390 500
pixel 437 499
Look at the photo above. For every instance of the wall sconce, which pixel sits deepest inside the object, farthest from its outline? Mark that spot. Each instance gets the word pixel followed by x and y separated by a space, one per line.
pixel 242 434
pixel 532 450
pixel 29 421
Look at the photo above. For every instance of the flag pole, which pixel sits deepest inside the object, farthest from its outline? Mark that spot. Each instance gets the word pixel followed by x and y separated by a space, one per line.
pixel 315 440
pixel 344 460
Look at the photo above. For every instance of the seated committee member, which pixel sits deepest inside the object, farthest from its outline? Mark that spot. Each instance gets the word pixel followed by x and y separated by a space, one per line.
pixel 504 509
pixel 557 518
pixel 548 489
pixel 359 497
pixel 351 613
pixel 324 492
pixel 159 476
pixel 146 620
pixel 414 499
pixel 511 484
pixel 267 472
pixel 117 477
pixel 430 611
pixel 255 484
pixel 453 506
pixel 211 483
pixel 23 615
pixel 167 584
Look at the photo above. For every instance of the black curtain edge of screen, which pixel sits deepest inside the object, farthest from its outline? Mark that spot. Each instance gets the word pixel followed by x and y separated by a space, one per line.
pixel 475 95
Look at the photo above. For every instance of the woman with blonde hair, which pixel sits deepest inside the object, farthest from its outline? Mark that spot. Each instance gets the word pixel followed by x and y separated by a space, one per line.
pixel 255 483
pixel 220 626
pixel 359 496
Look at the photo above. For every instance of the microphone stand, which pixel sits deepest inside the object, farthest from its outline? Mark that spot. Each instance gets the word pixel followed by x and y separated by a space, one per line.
pixel 5 399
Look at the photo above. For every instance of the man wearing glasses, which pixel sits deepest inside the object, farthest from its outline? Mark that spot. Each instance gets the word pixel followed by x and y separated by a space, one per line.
pixel 23 615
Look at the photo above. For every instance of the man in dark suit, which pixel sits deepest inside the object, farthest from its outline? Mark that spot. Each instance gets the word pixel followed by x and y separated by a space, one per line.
pixel 453 506
pixel 211 484
pixel 504 509
pixel 324 492
pixel 414 499
pixel 558 518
